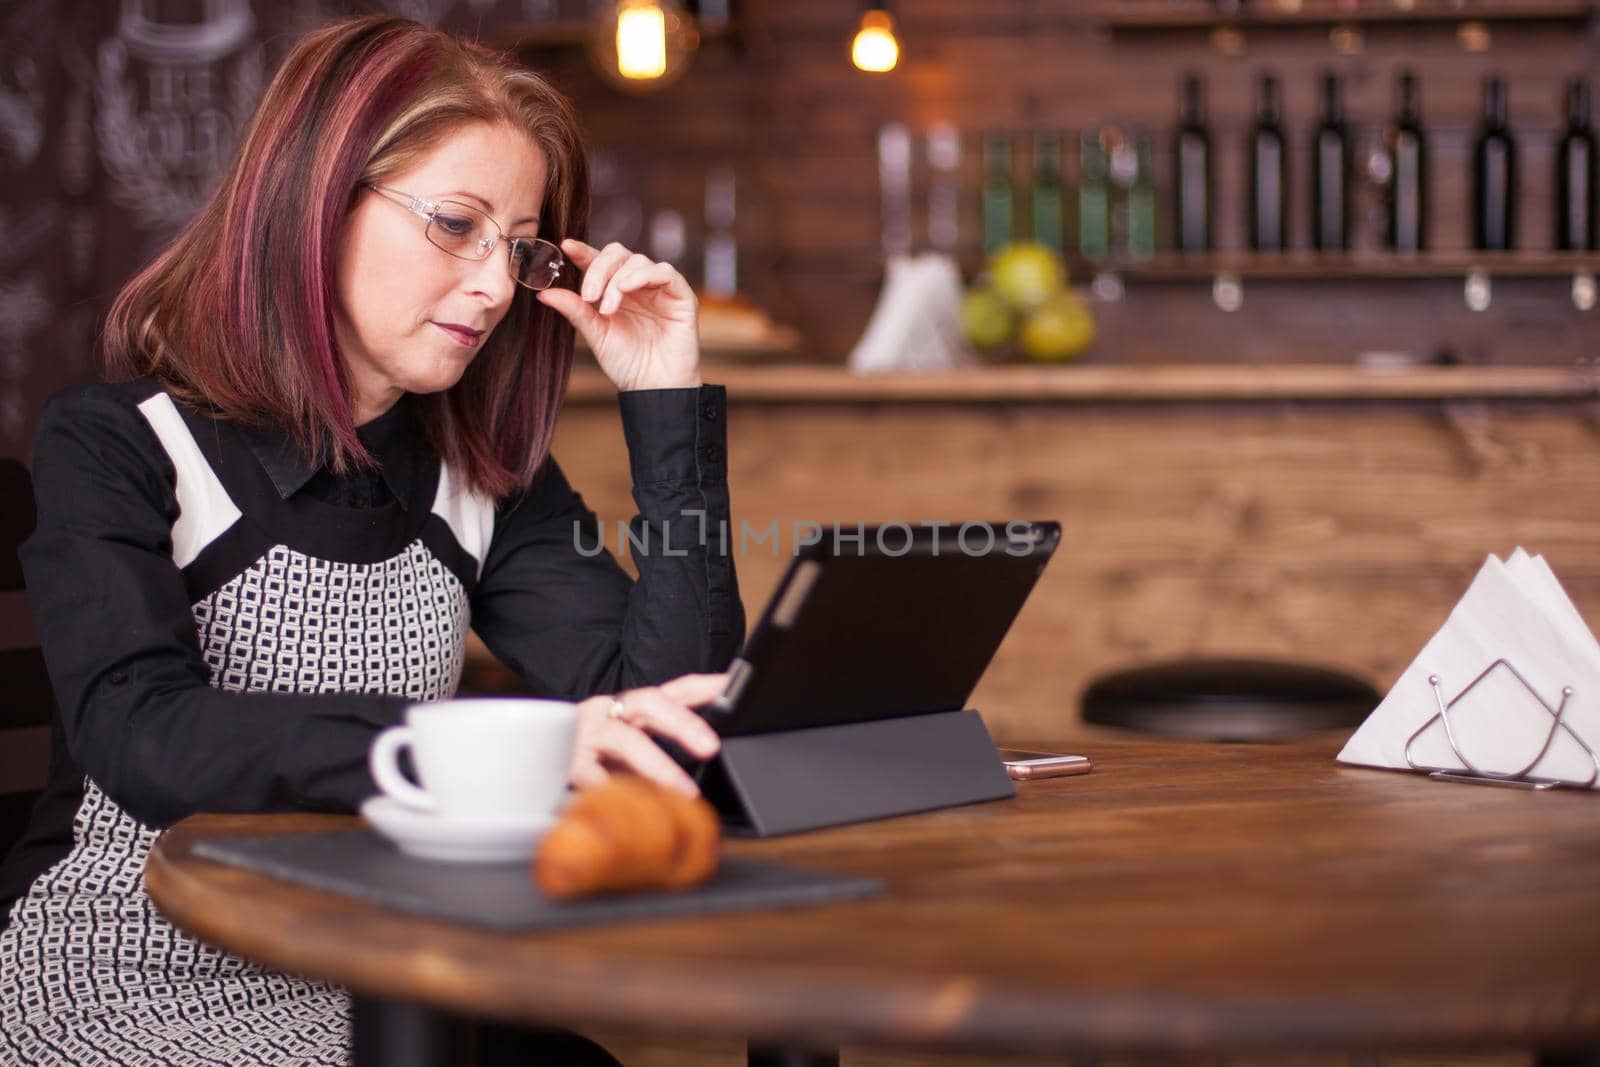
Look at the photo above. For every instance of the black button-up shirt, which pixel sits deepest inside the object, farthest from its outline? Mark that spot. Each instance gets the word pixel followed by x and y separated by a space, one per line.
pixel 113 610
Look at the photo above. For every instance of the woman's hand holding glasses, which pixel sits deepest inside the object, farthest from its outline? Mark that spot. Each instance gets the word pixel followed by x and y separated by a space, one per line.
pixel 639 317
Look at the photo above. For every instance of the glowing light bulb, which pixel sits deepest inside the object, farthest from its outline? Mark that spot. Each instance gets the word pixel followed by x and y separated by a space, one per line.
pixel 641 46
pixel 641 41
pixel 874 49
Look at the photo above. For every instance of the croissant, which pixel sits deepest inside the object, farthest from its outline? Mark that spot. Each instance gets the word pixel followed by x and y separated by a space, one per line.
pixel 628 834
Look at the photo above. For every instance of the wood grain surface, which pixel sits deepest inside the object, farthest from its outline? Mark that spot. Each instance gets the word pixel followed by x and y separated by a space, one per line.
pixel 1179 898
pixel 1336 532
pixel 802 384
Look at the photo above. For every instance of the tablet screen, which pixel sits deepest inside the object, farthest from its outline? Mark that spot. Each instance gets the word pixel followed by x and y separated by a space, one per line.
pixel 887 621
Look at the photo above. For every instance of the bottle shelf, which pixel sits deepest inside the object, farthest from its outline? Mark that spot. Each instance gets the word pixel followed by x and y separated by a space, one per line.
pixel 1206 14
pixel 1309 266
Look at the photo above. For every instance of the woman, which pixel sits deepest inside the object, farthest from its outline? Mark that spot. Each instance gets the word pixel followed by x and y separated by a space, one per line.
pixel 326 456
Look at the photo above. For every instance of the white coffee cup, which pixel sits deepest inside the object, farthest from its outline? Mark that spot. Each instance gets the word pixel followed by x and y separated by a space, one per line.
pixel 481 759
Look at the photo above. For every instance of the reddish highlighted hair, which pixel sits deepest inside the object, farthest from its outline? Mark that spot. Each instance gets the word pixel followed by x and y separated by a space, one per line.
pixel 236 315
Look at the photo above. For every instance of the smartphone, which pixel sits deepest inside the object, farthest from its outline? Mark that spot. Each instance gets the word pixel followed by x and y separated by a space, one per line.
pixel 1024 765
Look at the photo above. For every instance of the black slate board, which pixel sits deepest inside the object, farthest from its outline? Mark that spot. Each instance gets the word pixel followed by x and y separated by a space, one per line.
pixel 360 864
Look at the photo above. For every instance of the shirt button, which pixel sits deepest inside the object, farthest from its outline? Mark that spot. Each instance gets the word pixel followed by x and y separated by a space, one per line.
pixel 712 453
pixel 710 412
pixel 117 677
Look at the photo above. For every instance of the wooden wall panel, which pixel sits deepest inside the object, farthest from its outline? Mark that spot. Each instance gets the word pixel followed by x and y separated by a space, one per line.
pixel 1336 534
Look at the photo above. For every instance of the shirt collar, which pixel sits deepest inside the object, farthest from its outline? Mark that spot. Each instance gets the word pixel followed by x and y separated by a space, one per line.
pixel 390 438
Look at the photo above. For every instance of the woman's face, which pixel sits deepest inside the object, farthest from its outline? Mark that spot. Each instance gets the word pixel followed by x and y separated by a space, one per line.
pixel 408 316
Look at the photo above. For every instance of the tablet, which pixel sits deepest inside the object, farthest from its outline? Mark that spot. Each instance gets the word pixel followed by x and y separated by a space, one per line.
pixel 882 621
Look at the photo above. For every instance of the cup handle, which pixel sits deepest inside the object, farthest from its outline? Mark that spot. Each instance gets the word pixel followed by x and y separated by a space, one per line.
pixel 383 761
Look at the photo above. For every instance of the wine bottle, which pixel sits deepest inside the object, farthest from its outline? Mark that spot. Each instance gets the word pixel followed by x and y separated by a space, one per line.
pixel 1269 172
pixel 997 197
pixel 1191 156
pixel 1408 177
pixel 1494 174
pixel 894 183
pixel 713 16
pixel 1141 231
pixel 944 188
pixel 1330 174
pixel 1575 175
pixel 722 249
pixel 1094 196
pixel 1045 206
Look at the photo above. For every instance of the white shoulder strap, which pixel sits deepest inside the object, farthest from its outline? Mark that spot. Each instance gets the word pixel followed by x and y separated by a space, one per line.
pixel 205 511
pixel 469 515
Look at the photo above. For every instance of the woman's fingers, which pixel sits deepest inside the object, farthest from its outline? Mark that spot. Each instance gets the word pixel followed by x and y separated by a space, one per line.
pixel 610 736
pixel 584 318
pixel 597 275
pixel 611 294
pixel 579 253
pixel 693 690
pixel 643 274
pixel 611 272
pixel 588 773
pixel 665 716
pixel 632 747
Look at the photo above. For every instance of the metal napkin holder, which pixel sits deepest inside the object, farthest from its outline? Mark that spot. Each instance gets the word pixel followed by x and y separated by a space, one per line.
pixel 1519 779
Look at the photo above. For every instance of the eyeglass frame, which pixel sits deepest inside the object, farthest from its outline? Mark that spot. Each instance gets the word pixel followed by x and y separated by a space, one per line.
pixel 429 210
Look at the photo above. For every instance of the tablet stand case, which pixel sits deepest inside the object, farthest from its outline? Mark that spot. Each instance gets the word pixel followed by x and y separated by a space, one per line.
pixel 792 780
pixel 845 703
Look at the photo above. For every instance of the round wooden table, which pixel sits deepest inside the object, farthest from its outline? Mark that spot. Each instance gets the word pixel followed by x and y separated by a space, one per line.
pixel 1182 897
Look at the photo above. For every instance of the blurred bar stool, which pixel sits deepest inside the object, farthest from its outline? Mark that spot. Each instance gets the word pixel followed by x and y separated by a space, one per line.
pixel 1228 699
pixel 25 709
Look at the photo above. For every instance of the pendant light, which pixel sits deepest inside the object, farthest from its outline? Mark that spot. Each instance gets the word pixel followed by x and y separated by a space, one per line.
pixel 642 45
pixel 874 48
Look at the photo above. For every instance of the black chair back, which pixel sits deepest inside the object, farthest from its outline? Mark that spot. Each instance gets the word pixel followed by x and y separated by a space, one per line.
pixel 25 700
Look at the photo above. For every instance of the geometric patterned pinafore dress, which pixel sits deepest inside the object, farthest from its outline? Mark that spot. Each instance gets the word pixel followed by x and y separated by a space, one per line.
pixel 90 972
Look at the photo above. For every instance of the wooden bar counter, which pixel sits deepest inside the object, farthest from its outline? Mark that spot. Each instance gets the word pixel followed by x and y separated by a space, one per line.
pixel 1324 514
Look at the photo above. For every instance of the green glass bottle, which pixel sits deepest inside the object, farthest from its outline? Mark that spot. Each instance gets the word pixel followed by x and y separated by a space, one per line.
pixel 997 200
pixel 1142 201
pixel 1046 198
pixel 1094 198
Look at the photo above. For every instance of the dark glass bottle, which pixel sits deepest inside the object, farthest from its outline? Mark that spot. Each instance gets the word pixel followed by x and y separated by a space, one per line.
pixel 997 198
pixel 1269 172
pixel 1408 179
pixel 1045 208
pixel 1494 174
pixel 1191 155
pixel 1141 198
pixel 713 17
pixel 1330 173
pixel 1094 195
pixel 1575 175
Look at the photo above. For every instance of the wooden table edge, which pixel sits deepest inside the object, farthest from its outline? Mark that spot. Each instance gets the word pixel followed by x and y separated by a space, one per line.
pixel 825 1005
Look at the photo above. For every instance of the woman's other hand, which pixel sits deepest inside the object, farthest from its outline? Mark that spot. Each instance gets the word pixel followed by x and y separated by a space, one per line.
pixel 614 731
pixel 638 316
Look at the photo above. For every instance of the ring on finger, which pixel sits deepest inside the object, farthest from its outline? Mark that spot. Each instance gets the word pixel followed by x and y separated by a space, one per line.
pixel 618 711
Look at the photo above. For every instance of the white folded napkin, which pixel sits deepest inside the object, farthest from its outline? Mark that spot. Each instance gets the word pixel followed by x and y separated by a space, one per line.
pixel 916 324
pixel 1514 611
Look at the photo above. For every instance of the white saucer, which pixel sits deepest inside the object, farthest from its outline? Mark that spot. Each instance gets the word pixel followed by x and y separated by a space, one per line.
pixel 454 840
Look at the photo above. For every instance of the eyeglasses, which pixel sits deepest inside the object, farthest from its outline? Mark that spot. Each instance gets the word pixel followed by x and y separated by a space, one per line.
pixel 467 233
